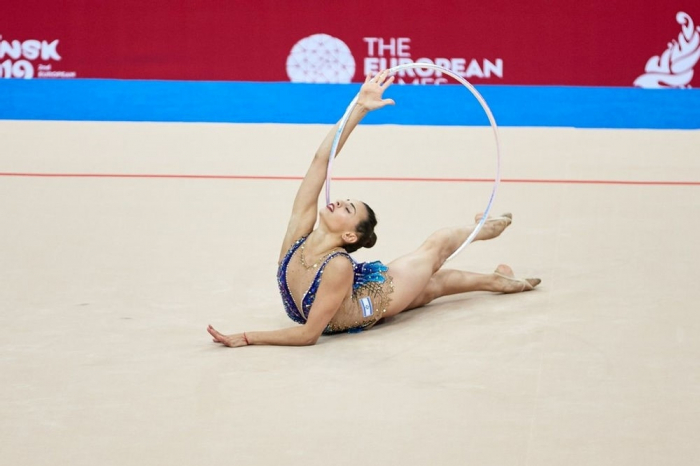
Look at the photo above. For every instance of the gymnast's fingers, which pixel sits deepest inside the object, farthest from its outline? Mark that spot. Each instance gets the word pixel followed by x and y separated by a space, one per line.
pixel 213 332
pixel 388 82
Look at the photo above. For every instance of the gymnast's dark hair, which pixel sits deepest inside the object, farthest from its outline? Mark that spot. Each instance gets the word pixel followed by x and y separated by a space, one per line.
pixel 365 232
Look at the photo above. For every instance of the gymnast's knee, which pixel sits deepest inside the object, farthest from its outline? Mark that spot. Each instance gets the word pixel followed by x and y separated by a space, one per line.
pixel 429 294
pixel 439 245
pixel 433 256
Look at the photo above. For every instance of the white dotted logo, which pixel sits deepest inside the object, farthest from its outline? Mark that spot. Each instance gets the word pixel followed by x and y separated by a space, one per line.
pixel 320 59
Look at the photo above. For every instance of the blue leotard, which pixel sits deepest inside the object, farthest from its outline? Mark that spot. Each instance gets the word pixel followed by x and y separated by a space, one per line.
pixel 370 296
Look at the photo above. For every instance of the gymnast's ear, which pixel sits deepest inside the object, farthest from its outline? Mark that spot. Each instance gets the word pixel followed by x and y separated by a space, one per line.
pixel 349 237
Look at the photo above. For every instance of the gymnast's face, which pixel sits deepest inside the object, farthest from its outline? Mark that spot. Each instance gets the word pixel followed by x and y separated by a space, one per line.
pixel 343 215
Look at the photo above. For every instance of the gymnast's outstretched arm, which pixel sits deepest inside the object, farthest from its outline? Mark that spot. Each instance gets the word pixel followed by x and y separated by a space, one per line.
pixel 336 281
pixel 305 207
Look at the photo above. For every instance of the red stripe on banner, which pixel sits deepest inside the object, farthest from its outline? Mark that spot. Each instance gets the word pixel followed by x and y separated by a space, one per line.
pixel 351 178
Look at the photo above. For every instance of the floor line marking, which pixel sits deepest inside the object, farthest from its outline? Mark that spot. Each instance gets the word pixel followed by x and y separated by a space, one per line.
pixel 352 178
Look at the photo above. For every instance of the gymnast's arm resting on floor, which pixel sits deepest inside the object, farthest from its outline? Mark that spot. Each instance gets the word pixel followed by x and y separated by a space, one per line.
pixel 337 280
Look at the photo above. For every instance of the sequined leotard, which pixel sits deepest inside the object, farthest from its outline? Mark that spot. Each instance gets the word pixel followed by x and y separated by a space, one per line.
pixel 366 305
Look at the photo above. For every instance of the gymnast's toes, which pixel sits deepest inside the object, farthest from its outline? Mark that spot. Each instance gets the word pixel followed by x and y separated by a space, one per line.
pixel 494 226
pixel 507 217
pixel 505 281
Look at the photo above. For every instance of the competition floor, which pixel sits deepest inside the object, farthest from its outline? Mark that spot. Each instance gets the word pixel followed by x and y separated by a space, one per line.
pixel 107 284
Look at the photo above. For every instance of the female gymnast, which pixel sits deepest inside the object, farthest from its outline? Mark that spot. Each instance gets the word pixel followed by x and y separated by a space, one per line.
pixel 327 292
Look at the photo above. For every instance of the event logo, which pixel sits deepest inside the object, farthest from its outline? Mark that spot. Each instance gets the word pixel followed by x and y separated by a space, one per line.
pixel 324 59
pixel 320 59
pixel 387 53
pixel 17 59
pixel 674 68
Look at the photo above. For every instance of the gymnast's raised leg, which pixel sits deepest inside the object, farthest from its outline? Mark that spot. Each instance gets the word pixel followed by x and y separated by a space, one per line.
pixel 418 278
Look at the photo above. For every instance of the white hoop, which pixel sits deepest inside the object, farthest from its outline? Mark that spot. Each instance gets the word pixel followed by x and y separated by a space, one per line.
pixel 484 106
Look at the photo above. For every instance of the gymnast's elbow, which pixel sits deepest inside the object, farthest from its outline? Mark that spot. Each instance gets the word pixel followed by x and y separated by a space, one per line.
pixel 320 158
pixel 308 337
pixel 310 340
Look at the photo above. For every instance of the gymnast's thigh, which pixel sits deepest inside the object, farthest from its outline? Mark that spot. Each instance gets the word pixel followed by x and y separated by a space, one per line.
pixel 411 274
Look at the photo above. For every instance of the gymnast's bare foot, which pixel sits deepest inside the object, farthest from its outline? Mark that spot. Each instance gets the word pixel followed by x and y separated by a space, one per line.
pixel 493 227
pixel 505 281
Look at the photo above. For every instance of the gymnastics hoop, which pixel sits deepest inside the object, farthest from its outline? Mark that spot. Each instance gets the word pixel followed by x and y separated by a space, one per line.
pixel 484 106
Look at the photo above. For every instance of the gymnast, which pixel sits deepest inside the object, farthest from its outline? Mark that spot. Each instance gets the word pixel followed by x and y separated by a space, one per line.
pixel 327 292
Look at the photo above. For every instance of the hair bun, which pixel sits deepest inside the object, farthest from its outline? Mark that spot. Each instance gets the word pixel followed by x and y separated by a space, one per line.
pixel 371 240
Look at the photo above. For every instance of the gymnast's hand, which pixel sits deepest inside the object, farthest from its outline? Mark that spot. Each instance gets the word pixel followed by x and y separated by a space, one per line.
pixel 232 341
pixel 371 91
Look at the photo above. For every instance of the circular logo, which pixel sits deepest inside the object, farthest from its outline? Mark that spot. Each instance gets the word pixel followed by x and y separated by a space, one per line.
pixel 320 59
